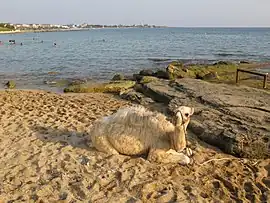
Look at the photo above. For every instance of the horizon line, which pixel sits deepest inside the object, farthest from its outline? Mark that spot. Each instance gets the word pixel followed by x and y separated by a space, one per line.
pixel 199 26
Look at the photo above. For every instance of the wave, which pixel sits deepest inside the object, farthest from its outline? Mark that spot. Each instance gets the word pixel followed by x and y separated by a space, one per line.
pixel 159 59
pixel 234 54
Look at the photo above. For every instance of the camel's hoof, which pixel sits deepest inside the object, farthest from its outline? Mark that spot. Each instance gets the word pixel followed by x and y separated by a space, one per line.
pixel 188 152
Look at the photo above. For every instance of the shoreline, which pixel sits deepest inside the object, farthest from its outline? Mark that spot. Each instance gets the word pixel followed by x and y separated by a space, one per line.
pixel 72 29
pixel 38 31
pixel 53 83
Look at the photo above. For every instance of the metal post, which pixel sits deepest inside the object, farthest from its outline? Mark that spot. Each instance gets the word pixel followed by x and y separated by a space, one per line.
pixel 265 80
pixel 237 76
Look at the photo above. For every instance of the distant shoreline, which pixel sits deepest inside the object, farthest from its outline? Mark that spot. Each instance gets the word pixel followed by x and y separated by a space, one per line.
pixel 64 30
pixel 10 32
pixel 35 31
pixel 95 28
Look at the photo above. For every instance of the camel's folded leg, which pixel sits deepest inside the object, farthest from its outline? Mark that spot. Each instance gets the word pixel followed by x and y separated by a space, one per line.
pixel 102 144
pixel 171 156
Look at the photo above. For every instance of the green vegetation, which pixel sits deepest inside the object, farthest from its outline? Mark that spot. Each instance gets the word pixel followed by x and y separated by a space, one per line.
pixel 11 84
pixel 112 87
pixel 221 73
pixel 6 27
pixel 147 79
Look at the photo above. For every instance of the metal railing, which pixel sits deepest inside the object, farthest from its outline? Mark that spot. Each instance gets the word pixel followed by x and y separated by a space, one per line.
pixel 265 75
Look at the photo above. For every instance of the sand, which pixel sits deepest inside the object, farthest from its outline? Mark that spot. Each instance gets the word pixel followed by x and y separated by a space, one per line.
pixel 46 156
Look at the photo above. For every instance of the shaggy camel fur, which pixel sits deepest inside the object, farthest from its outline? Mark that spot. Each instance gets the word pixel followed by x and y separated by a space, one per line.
pixel 137 131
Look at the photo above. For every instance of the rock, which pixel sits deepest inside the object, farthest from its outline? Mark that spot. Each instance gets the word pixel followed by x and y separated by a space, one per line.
pixel 158 91
pixel 137 77
pixel 10 84
pixel 201 74
pixel 135 97
pixel 112 87
pixel 196 127
pixel 63 196
pixel 50 82
pixel 146 72
pixel 34 197
pixel 178 64
pixel 76 81
pixel 235 119
pixel 222 63
pixel 118 77
pixel 65 82
pixel 138 87
pixel 129 77
pixel 147 79
pixel 176 71
pixel 245 62
pixel 83 160
pixel 210 76
pixel 162 74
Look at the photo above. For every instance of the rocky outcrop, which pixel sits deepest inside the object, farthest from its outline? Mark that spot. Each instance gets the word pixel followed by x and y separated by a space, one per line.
pixel 235 119
pixel 135 97
pixel 111 87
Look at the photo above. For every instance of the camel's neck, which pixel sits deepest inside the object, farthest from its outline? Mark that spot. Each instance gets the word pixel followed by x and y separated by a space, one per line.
pixel 178 139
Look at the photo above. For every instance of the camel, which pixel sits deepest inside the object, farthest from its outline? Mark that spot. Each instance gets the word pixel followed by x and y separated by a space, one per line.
pixel 137 131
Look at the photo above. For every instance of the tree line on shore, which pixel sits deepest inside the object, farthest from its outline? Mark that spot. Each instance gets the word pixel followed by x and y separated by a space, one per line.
pixel 6 27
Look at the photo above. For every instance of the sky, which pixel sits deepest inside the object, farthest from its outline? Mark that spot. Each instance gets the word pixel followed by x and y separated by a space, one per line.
pixel 178 13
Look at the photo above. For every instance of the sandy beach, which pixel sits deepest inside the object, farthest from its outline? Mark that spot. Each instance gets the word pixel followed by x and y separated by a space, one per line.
pixel 46 156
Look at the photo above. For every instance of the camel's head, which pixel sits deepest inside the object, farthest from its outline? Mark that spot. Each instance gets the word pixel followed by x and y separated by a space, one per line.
pixel 183 114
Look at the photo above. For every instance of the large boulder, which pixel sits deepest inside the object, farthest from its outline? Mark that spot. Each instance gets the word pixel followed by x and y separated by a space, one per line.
pixel 234 118
pixel 111 87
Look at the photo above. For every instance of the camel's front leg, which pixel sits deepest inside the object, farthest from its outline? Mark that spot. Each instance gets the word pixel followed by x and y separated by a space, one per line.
pixel 171 156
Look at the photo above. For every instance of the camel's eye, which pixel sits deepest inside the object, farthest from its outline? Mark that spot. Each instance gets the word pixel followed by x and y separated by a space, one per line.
pixel 187 114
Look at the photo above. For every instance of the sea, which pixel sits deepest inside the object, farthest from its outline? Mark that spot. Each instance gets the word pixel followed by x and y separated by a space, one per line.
pixel 37 59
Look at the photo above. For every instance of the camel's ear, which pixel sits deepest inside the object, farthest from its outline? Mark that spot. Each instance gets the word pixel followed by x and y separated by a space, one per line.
pixel 191 111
